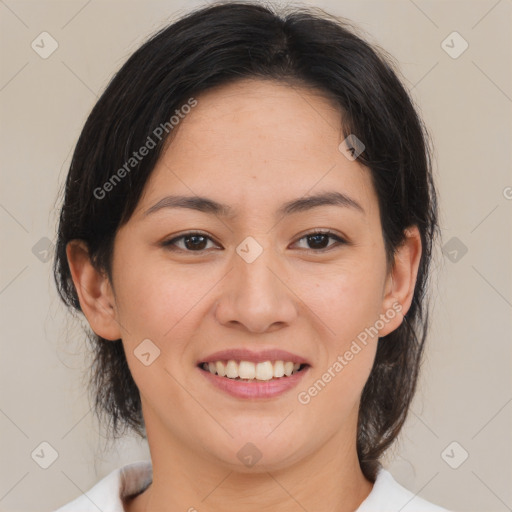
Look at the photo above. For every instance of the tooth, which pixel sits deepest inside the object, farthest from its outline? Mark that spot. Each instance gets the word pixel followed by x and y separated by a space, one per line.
pixel 278 369
pixel 288 368
pixel 221 369
pixel 232 369
pixel 246 370
pixel 264 371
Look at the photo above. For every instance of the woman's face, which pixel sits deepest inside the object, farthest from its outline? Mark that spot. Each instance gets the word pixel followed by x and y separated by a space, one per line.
pixel 256 281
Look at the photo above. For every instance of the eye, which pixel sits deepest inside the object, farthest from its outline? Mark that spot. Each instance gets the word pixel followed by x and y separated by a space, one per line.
pixel 196 241
pixel 318 239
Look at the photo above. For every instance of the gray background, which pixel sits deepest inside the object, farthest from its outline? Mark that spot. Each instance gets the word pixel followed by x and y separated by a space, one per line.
pixel 465 389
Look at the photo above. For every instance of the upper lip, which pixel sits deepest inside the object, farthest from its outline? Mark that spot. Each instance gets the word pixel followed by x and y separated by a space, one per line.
pixel 243 354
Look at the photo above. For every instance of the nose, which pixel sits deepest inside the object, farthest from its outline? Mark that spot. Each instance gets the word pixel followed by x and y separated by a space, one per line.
pixel 257 296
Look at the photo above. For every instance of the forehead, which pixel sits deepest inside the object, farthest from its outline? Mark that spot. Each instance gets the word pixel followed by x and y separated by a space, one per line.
pixel 259 142
pixel 264 106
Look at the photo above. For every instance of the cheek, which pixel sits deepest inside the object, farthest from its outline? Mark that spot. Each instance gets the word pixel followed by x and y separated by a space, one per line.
pixel 346 303
pixel 346 299
pixel 347 306
pixel 153 298
pixel 156 304
pixel 163 304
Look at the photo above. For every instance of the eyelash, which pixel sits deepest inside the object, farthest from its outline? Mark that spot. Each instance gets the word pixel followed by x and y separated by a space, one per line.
pixel 169 244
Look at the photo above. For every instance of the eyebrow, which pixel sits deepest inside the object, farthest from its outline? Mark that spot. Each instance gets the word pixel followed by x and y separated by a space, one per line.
pixel 207 205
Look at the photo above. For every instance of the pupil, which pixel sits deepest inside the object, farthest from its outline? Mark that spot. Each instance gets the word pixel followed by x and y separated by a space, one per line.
pixel 316 237
pixel 194 246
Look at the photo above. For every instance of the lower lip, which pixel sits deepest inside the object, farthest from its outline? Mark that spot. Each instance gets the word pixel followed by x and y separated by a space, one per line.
pixel 256 389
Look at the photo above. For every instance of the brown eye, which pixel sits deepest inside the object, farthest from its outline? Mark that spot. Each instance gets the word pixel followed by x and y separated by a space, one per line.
pixel 192 242
pixel 318 240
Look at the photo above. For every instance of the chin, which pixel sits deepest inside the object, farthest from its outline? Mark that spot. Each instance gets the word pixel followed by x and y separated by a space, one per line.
pixel 256 451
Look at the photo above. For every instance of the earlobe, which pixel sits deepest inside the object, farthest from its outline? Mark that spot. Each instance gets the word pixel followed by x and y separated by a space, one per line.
pixel 94 292
pixel 401 282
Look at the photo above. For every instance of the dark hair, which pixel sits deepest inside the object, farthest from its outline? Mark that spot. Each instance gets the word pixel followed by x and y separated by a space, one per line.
pixel 217 45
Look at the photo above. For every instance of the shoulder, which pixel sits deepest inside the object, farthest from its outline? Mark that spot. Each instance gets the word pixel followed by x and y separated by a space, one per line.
pixel 108 493
pixel 388 495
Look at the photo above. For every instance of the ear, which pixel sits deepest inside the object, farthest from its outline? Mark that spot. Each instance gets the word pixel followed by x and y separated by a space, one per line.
pixel 94 292
pixel 401 281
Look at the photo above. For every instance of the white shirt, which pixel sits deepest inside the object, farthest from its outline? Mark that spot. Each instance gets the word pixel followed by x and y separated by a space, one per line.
pixel 387 494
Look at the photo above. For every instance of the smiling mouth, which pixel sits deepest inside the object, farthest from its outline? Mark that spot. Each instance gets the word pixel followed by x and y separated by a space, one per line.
pixel 247 371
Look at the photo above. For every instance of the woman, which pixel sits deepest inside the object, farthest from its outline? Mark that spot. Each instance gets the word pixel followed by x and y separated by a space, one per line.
pixel 247 227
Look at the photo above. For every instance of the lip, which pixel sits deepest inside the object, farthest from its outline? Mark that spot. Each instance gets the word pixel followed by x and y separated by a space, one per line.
pixel 243 354
pixel 255 390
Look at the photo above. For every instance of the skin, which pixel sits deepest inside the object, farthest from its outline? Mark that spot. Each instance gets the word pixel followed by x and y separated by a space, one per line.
pixel 252 145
